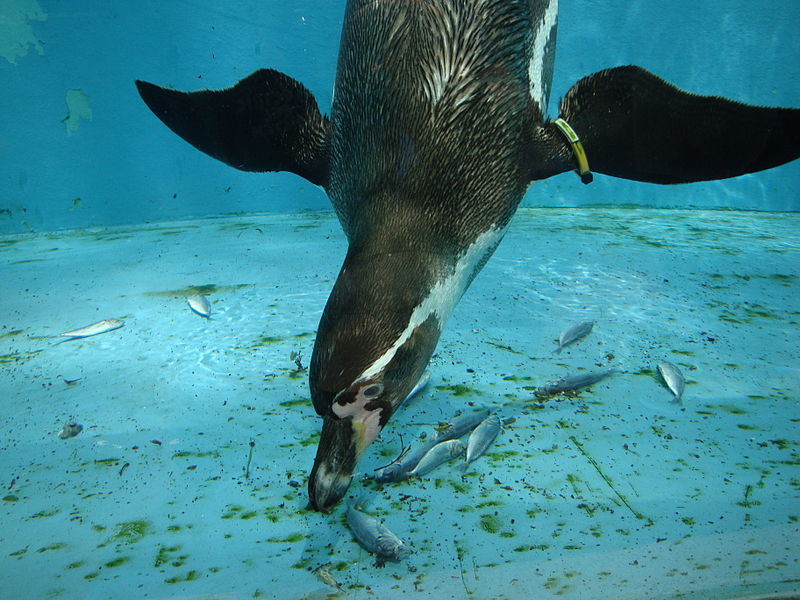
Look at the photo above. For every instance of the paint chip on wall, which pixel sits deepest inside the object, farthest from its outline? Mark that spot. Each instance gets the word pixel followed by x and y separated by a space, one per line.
pixel 16 33
pixel 77 108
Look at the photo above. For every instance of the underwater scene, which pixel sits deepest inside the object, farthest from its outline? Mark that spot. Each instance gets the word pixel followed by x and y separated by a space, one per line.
pixel 518 348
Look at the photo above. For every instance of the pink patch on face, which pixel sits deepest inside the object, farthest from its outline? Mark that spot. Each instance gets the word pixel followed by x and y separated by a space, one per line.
pixel 366 423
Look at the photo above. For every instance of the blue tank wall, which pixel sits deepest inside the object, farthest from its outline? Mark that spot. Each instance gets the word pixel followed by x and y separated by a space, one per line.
pixel 80 149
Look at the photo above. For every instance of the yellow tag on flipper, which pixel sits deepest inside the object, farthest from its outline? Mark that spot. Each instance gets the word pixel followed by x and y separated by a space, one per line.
pixel 577 149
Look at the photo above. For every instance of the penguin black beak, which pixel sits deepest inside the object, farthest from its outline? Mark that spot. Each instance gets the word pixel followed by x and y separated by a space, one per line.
pixel 334 464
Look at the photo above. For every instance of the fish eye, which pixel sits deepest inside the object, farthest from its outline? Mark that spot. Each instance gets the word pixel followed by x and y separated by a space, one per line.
pixel 372 391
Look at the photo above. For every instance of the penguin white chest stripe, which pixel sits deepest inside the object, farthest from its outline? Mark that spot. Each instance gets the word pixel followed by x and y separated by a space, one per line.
pixel 543 31
pixel 443 296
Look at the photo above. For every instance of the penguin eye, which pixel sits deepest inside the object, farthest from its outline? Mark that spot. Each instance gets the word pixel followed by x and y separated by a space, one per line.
pixel 372 391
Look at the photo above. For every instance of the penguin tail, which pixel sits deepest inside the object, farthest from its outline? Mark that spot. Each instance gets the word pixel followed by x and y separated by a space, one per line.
pixel 266 122
pixel 629 123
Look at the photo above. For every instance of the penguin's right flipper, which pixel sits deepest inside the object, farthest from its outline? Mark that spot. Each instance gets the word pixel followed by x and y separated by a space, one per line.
pixel 633 124
pixel 266 122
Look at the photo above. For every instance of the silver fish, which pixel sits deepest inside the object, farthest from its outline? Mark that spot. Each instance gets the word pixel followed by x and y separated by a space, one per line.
pixel 440 453
pixel 200 304
pixel 401 470
pixel 70 430
pixel 572 383
pixel 673 378
pixel 573 334
pixel 462 425
pixel 480 439
pixel 95 328
pixel 423 381
pixel 374 536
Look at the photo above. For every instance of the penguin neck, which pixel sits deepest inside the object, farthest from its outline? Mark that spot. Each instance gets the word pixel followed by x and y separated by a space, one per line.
pixel 388 308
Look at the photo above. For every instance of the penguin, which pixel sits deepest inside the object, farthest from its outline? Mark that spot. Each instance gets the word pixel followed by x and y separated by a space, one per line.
pixel 437 127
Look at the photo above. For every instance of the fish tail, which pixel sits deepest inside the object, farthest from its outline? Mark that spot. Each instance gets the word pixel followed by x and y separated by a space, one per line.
pixel 359 503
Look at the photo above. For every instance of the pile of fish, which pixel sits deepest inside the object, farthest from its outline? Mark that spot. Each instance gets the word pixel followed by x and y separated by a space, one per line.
pixel 483 427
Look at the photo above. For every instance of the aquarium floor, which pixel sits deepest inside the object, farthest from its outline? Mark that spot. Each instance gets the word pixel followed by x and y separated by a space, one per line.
pixel 616 493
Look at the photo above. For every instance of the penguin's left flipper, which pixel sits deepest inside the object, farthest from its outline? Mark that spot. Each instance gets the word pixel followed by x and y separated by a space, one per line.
pixel 633 124
pixel 266 122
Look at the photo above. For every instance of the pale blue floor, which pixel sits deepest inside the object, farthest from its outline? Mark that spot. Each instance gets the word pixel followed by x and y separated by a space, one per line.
pixel 617 493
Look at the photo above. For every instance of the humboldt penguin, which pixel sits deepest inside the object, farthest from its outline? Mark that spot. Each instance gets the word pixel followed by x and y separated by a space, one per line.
pixel 438 125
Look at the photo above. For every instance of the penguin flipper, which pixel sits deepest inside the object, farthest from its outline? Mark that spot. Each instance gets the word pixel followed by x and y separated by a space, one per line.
pixel 635 125
pixel 266 122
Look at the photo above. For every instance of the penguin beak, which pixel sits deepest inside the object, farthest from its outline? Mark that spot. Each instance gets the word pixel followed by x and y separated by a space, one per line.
pixel 337 454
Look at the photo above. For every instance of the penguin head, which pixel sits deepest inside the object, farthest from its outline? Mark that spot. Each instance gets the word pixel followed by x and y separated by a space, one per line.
pixel 357 414
pixel 354 413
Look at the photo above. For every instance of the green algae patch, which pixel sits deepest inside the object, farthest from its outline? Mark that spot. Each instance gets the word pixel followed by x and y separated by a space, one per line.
pixel 189 576
pixel 294 537
pixel 458 486
pixel 18 357
pixel 233 510
pixel 131 532
pixel 206 289
pixel 164 555
pixel 263 340
pixel 187 454
pixel 121 560
pixel 296 402
pixel 457 389
pixel 56 546
pixel 311 440
pixel 503 347
pixel 729 408
pixel 489 523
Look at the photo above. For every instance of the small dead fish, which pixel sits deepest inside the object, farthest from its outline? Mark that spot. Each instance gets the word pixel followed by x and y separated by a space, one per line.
pixel 480 439
pixel 399 471
pixel 70 430
pixel 439 454
pixel 94 329
pixel 572 383
pixel 323 572
pixel 573 334
pixel 673 378
pixel 200 304
pixel 373 535
pixel 462 425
